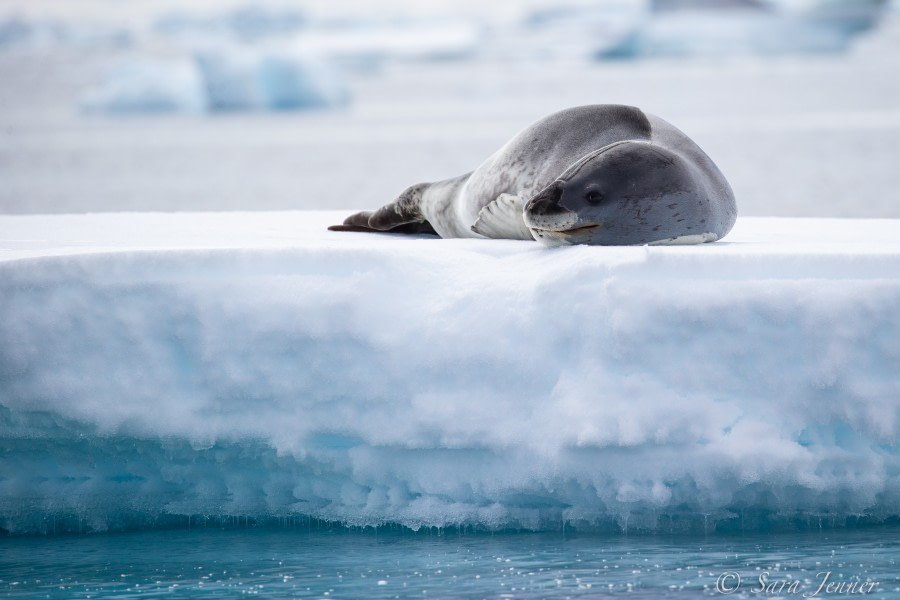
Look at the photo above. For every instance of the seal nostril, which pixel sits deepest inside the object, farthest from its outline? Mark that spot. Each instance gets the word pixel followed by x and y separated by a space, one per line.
pixel 547 200
pixel 556 192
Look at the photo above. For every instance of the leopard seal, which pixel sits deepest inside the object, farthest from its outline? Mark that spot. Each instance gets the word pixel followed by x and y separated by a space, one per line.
pixel 602 174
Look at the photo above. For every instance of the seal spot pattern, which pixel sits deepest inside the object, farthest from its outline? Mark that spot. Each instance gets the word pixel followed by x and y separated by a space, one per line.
pixel 602 174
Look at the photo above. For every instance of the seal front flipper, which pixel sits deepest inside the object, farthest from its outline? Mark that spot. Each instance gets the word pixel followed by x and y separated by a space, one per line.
pixel 503 219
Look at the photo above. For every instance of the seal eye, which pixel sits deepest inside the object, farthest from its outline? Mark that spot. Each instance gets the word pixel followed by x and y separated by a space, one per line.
pixel 593 197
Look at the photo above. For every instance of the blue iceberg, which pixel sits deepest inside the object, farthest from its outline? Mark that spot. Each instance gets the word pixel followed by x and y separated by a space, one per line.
pixel 148 85
pixel 268 80
pixel 248 22
pixel 18 31
pixel 219 79
pixel 680 28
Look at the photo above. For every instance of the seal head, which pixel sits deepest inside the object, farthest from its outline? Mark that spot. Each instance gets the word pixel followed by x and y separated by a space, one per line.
pixel 628 193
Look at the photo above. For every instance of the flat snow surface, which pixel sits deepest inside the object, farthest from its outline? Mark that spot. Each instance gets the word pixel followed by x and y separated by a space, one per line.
pixel 163 365
pixel 40 236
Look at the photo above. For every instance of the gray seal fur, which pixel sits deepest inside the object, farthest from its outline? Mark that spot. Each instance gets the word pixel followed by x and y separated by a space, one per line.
pixel 601 174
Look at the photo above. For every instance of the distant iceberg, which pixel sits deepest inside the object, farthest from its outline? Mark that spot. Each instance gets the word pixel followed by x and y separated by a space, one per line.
pixel 746 27
pixel 148 85
pixel 366 41
pixel 248 23
pixel 17 31
pixel 712 33
pixel 575 31
pixel 161 368
pixel 369 43
pixel 219 79
pixel 250 79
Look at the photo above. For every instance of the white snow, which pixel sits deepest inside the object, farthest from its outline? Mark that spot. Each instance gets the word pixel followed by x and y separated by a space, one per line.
pixel 257 364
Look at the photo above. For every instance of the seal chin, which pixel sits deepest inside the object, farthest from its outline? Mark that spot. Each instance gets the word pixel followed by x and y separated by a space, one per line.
pixel 566 237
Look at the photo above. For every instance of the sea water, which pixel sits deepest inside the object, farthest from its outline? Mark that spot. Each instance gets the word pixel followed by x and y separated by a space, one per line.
pixel 307 559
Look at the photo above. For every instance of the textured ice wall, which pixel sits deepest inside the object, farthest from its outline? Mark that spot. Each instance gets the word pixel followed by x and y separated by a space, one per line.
pixel 157 366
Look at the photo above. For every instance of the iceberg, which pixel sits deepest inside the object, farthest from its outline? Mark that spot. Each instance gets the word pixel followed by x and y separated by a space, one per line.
pixel 156 369
pixel 682 28
pixel 219 78
pixel 15 30
pixel 577 31
pixel 731 33
pixel 248 22
pixel 362 40
pixel 268 79
pixel 367 44
pixel 148 85
pixel 18 31
pixel 847 16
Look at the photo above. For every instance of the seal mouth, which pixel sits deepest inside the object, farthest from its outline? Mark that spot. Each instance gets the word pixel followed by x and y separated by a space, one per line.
pixel 573 231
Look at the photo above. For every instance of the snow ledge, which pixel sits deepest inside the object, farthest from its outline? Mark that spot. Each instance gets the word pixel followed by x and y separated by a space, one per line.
pixel 254 363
